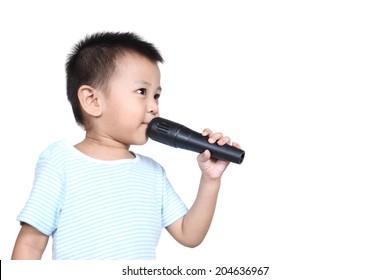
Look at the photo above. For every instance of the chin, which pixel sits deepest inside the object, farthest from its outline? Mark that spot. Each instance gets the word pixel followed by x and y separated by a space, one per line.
pixel 141 141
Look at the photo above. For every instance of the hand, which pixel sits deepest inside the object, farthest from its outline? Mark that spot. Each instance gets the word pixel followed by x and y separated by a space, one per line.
pixel 214 168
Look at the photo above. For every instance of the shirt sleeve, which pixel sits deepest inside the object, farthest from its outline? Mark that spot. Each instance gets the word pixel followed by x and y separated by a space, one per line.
pixel 173 208
pixel 45 201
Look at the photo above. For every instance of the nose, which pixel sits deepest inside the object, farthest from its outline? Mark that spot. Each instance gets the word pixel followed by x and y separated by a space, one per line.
pixel 152 107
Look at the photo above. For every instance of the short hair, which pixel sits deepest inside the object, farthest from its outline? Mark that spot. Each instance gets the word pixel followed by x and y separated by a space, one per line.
pixel 93 62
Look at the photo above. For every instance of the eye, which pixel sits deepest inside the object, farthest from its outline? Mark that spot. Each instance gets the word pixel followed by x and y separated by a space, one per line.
pixel 157 96
pixel 141 91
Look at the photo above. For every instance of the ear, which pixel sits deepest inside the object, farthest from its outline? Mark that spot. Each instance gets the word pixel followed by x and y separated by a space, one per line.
pixel 90 101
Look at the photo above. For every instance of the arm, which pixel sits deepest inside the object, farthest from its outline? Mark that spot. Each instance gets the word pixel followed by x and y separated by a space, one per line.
pixel 30 244
pixel 191 229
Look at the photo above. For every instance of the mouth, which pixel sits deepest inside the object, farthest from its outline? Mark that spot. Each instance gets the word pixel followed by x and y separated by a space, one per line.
pixel 145 124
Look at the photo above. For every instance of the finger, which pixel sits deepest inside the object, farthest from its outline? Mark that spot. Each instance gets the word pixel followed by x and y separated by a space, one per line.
pixel 236 145
pixel 207 131
pixel 205 156
pixel 224 140
pixel 215 137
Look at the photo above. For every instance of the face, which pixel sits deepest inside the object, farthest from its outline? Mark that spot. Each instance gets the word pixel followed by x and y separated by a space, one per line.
pixel 132 100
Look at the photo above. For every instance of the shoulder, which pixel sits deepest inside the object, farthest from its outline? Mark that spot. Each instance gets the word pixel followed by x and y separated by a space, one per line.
pixel 149 162
pixel 54 148
pixel 55 152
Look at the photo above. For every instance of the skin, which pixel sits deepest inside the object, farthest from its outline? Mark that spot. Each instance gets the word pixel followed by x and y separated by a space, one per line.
pixel 117 119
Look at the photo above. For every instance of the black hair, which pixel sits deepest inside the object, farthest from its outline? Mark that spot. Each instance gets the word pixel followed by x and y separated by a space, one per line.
pixel 93 62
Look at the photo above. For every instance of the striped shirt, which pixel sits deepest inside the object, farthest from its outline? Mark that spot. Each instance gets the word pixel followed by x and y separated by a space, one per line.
pixel 96 209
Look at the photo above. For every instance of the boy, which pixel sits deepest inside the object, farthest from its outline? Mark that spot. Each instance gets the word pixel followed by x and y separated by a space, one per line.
pixel 97 199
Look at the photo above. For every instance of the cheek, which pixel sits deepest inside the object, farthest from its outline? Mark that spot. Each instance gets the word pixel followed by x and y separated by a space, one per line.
pixel 126 110
pixel 132 112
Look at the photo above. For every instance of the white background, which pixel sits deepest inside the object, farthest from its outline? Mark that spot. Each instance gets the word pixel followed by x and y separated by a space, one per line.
pixel 303 86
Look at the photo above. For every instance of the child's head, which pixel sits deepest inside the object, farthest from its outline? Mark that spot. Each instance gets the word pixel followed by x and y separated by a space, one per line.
pixel 94 59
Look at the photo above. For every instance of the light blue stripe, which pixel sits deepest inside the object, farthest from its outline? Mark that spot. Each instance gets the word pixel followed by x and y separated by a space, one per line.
pixel 100 210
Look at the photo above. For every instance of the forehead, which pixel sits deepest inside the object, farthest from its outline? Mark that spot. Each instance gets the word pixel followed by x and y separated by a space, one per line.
pixel 134 61
pixel 133 67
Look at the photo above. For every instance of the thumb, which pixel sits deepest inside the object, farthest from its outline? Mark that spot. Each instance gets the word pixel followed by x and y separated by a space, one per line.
pixel 205 156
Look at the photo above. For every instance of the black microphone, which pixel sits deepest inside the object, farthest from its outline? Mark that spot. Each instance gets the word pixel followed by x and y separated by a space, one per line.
pixel 179 136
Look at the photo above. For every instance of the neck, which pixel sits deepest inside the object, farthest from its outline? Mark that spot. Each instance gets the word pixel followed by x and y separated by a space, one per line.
pixel 104 148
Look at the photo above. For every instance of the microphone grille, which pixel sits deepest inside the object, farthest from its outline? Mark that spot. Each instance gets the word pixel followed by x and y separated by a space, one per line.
pixel 160 130
pixel 162 127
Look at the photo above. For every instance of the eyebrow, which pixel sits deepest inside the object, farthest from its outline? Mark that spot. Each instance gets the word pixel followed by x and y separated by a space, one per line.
pixel 147 83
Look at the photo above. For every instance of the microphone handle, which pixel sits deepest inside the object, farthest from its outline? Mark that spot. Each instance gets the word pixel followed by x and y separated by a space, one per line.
pixel 188 139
